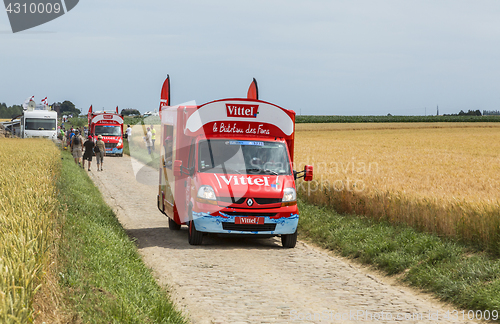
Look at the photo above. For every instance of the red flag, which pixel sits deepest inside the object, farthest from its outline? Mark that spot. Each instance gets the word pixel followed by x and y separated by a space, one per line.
pixel 117 109
pixel 253 90
pixel 165 93
pixel 89 114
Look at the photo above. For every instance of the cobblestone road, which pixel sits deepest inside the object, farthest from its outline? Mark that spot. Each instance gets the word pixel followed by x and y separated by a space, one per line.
pixel 234 280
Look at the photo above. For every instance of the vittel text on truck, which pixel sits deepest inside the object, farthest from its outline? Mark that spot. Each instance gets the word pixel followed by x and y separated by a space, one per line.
pixel 226 167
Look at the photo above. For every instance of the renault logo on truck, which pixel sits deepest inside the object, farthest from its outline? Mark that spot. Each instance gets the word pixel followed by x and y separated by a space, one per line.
pixel 242 110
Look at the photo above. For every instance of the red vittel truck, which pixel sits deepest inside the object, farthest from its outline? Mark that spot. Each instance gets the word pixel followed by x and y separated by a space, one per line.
pixel 227 167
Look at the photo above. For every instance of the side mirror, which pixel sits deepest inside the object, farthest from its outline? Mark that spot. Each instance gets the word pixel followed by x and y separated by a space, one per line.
pixel 308 173
pixel 177 168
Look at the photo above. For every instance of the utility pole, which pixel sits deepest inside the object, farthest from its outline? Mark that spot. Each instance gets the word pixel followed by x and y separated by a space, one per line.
pixel 437 110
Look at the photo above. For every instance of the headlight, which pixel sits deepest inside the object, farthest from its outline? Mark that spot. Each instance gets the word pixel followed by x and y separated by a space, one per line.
pixel 289 194
pixel 206 193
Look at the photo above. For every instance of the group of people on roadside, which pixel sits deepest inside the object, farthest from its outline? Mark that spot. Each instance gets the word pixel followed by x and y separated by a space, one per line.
pixel 86 149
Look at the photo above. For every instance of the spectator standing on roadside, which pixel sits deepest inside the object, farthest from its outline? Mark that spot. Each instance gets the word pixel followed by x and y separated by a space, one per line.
pixel 76 147
pixel 153 137
pixel 129 133
pixel 68 137
pixel 100 152
pixel 89 151
pixel 147 138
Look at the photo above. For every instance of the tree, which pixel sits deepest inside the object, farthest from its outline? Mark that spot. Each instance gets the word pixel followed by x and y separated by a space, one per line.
pixel 130 111
pixel 68 108
pixel 10 112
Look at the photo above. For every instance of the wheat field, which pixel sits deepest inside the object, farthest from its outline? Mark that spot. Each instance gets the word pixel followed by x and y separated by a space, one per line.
pixel 28 203
pixel 439 177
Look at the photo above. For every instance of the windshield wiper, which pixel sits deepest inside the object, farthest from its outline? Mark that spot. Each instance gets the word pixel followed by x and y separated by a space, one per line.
pixel 227 170
pixel 252 170
pixel 270 171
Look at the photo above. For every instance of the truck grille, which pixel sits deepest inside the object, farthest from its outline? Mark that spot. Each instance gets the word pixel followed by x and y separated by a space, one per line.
pixel 229 200
pixel 249 214
pixel 248 227
pixel 110 145
pixel 260 201
pixel 265 201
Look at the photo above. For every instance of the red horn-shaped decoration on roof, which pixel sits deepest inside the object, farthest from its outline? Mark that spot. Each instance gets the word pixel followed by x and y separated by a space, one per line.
pixel 165 93
pixel 89 114
pixel 253 90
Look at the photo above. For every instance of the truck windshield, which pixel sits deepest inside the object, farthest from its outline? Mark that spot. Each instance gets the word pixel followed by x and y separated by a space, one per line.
pixel 40 124
pixel 243 157
pixel 108 130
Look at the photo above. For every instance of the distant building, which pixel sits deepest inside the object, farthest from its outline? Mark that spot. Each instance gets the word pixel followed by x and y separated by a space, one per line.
pixel 151 113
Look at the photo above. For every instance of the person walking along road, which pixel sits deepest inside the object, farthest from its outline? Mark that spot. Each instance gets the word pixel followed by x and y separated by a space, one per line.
pixel 100 152
pixel 89 151
pixel 76 147
pixel 149 143
pixel 153 137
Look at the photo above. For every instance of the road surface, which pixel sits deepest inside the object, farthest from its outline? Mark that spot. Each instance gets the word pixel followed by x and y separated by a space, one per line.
pixel 234 280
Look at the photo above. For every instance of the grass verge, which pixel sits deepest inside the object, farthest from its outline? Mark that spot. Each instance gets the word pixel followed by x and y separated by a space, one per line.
pixel 141 154
pixel 102 276
pixel 453 272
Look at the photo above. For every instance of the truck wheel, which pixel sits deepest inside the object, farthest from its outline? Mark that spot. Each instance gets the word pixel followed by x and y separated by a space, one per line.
pixel 172 225
pixel 289 240
pixel 195 237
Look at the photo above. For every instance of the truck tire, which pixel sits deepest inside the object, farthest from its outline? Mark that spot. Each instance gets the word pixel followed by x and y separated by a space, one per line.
pixel 194 236
pixel 289 240
pixel 172 225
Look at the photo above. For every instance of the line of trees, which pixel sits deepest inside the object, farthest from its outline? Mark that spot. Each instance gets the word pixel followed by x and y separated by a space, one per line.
pixel 130 111
pixel 491 112
pixel 65 108
pixel 10 112
pixel 469 113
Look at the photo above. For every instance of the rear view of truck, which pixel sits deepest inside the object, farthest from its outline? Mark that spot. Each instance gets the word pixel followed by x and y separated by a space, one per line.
pixel 227 168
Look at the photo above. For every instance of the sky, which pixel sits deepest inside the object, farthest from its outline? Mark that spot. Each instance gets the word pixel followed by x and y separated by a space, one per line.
pixel 317 57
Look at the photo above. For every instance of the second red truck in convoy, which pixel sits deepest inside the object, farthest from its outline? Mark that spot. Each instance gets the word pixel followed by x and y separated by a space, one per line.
pixel 110 126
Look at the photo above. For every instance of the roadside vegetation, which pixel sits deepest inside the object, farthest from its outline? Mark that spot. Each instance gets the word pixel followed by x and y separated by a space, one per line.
pixel 28 231
pixel 64 257
pixel 439 178
pixel 102 276
pixel 394 119
pixel 454 272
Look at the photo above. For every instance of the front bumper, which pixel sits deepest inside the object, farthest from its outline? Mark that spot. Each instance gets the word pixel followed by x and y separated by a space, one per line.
pixel 114 151
pixel 221 222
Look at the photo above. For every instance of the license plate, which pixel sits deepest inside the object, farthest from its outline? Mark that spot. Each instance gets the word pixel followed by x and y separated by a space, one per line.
pixel 249 220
